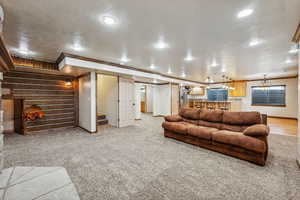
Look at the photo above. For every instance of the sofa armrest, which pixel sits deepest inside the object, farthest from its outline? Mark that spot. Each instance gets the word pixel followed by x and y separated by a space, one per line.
pixel 173 118
pixel 257 130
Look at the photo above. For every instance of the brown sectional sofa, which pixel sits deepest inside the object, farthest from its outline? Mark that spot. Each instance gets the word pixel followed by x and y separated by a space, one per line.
pixel 239 134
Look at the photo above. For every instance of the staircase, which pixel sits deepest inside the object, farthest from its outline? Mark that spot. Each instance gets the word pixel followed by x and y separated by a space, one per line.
pixel 101 119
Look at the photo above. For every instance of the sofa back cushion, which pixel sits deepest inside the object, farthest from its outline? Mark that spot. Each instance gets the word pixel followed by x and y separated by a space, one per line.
pixel 191 121
pixel 190 113
pixel 211 115
pixel 242 118
pixel 234 128
pixel 209 124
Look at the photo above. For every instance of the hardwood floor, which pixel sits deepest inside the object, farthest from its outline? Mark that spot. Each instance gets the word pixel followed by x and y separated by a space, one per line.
pixel 283 126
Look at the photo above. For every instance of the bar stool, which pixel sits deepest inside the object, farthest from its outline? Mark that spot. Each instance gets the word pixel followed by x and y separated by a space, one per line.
pixel 224 106
pixel 211 106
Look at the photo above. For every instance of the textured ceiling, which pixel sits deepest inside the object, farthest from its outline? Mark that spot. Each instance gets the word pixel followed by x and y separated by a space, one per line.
pixel 209 30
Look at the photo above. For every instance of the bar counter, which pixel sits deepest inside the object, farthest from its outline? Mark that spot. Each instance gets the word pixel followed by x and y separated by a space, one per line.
pixel 210 105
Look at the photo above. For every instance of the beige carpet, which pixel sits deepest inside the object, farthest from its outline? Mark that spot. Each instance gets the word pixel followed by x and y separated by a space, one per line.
pixel 139 163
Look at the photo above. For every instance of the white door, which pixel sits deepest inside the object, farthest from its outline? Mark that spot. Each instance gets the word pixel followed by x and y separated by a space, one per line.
pixel 126 102
pixel 175 99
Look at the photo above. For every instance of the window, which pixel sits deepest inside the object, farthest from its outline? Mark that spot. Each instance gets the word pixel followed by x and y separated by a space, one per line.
pixel 217 95
pixel 268 95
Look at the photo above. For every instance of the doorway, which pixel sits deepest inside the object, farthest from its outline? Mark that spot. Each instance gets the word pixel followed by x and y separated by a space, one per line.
pixel 107 100
pixel 143 100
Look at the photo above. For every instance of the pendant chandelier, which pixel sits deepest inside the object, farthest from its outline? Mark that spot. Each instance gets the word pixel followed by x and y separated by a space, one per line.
pixel 265 83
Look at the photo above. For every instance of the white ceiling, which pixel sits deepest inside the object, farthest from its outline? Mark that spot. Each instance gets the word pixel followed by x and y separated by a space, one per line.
pixel 209 30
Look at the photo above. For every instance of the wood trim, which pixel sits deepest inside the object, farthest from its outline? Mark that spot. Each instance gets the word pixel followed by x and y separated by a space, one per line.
pixel 63 55
pixel 6 62
pixel 36 64
pixel 252 80
pixel 296 37
pixel 268 105
pixel 91 132
pixel 279 117
pixel 150 83
pixel 158 116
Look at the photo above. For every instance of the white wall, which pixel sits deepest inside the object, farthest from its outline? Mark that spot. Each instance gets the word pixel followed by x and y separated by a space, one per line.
pixel 149 97
pixel 137 100
pixel 107 97
pixel 87 102
pixel 291 99
pixel 162 100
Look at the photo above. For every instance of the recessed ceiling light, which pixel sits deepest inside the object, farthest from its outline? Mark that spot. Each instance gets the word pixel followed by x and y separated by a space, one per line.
pixel 154 81
pixel 254 42
pixel 293 51
pixel 288 61
pixel 189 58
pixel 244 13
pixel 152 66
pixel 124 59
pixel 214 64
pixel 109 20
pixel 77 47
pixel 23 51
pixel 161 45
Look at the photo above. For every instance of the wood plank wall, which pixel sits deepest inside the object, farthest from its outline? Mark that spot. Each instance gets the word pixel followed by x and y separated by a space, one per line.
pixel 48 91
pixel 35 64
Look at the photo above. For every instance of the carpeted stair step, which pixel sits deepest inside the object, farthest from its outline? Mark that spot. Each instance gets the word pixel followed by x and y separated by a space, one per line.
pixel 101 116
pixel 102 122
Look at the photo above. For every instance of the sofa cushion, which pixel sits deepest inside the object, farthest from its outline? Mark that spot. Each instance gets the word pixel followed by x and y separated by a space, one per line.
pixel 240 140
pixel 235 128
pixel 257 130
pixel 190 113
pixel 191 121
pixel 201 132
pixel 209 124
pixel 242 118
pixel 173 118
pixel 178 127
pixel 211 115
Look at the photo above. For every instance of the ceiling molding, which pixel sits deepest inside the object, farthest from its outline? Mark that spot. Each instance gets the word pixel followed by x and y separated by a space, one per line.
pixel 260 79
pixel 151 83
pixel 296 37
pixel 64 55
pixel 6 62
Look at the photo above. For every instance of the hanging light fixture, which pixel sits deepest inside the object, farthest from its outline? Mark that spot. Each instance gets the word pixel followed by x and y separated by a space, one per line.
pixel 230 81
pixel 265 83
pixel 209 81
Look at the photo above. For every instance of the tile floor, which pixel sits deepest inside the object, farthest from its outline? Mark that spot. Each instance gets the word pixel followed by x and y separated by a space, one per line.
pixel 36 183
